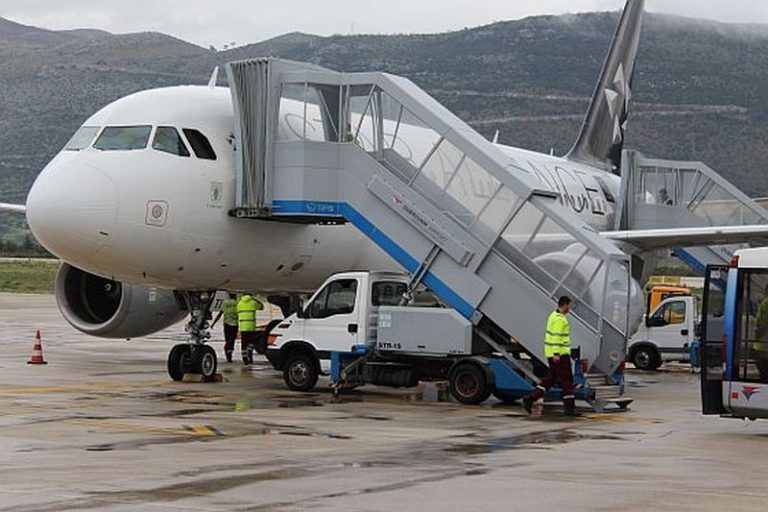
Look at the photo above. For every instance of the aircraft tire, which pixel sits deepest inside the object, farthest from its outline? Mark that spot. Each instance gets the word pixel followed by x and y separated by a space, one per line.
pixel 206 362
pixel 179 361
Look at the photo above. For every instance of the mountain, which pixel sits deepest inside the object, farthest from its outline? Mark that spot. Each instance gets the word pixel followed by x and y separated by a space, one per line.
pixel 701 88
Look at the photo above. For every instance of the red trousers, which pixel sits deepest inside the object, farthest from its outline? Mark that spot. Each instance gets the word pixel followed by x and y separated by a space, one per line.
pixel 560 373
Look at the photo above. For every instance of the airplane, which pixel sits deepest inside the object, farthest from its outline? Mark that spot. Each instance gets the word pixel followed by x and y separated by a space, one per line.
pixel 137 207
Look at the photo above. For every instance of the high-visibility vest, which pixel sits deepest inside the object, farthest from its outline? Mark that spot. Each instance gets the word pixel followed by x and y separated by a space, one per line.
pixel 229 310
pixel 557 341
pixel 247 307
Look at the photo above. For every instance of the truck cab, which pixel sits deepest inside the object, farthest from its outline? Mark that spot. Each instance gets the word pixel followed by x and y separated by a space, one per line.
pixel 667 334
pixel 341 315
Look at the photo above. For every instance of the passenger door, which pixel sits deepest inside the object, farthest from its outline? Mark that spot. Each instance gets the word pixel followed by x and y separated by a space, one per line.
pixel 669 328
pixel 712 342
pixel 333 317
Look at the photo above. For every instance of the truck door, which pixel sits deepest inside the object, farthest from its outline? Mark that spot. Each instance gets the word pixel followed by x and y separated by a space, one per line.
pixel 712 342
pixel 333 317
pixel 669 327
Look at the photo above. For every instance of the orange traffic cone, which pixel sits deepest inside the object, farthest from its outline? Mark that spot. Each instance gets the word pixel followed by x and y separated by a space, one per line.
pixel 37 351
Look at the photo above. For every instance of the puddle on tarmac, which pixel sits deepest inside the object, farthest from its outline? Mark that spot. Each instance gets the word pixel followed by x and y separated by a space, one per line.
pixel 531 440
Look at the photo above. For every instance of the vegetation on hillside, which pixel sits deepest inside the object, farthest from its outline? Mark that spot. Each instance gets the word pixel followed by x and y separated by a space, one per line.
pixel 27 276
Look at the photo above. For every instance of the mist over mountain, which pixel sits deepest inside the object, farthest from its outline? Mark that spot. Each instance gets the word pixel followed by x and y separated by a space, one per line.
pixel 700 92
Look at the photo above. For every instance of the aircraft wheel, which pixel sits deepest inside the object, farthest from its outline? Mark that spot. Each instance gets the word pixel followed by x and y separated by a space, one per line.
pixel 205 362
pixel 180 361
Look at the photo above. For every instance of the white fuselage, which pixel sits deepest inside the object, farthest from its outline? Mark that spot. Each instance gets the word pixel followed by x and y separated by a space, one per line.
pixel 156 219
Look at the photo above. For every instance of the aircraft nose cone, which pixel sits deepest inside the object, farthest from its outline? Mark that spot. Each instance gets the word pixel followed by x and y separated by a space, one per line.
pixel 72 209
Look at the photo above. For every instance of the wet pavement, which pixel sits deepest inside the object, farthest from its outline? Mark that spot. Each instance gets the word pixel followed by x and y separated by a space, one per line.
pixel 102 428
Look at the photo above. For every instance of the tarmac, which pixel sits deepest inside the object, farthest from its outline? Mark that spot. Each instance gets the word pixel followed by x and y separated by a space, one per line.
pixel 101 427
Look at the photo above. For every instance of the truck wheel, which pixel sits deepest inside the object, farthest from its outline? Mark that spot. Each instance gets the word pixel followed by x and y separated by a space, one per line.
pixel 179 361
pixel 646 358
pixel 300 372
pixel 469 385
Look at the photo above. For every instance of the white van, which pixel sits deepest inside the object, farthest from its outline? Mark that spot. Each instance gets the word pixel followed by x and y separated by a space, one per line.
pixel 667 334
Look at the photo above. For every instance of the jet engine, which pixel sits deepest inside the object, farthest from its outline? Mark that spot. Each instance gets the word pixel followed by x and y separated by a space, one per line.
pixel 109 309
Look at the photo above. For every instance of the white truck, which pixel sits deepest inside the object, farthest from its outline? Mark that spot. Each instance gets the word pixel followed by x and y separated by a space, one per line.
pixel 355 329
pixel 666 335
pixel 344 314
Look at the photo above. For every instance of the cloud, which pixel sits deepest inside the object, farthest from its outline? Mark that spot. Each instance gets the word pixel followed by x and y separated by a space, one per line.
pixel 243 21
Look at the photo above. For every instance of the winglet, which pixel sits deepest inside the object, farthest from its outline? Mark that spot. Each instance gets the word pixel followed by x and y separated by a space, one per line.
pixel 214 78
pixel 602 136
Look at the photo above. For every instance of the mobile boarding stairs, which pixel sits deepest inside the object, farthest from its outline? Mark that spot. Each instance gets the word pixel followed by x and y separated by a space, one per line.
pixel 374 150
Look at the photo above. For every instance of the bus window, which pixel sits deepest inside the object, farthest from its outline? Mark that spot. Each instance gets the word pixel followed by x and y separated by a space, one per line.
pixel 751 347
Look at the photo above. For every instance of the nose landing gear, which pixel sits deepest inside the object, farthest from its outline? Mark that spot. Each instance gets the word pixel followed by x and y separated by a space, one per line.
pixel 195 357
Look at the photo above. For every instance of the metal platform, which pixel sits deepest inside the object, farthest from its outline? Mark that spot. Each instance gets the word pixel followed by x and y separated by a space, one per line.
pixel 677 194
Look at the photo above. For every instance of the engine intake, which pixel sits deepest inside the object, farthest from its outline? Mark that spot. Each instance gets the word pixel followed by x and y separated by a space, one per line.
pixel 108 309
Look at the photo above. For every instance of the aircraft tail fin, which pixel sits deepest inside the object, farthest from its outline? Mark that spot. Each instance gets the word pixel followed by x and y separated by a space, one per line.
pixel 601 140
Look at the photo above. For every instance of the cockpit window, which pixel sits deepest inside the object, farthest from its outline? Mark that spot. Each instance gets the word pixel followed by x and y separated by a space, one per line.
pixel 168 140
pixel 123 138
pixel 200 144
pixel 82 138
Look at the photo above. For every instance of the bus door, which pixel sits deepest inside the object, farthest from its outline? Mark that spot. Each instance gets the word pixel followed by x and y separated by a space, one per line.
pixel 747 350
pixel 712 342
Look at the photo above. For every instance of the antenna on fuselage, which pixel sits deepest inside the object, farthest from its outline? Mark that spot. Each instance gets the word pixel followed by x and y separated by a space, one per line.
pixel 496 137
pixel 214 78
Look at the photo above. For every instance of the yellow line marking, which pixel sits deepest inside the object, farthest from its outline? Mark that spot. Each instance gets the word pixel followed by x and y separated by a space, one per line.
pixel 74 388
pixel 202 430
pixel 196 430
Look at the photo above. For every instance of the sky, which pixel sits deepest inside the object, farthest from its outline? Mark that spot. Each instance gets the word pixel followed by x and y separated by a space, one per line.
pixel 220 22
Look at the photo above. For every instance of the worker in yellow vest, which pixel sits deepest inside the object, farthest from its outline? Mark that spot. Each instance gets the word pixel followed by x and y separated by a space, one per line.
pixel 246 308
pixel 557 349
pixel 229 314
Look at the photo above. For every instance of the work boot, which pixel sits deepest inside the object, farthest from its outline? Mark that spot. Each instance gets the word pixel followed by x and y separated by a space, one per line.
pixel 229 356
pixel 528 404
pixel 570 408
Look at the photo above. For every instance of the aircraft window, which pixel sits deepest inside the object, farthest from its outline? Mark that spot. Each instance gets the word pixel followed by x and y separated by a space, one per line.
pixel 200 144
pixel 123 138
pixel 168 140
pixel 82 138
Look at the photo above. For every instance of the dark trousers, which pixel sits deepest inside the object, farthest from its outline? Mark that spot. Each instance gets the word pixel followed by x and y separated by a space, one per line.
pixel 230 335
pixel 247 342
pixel 560 373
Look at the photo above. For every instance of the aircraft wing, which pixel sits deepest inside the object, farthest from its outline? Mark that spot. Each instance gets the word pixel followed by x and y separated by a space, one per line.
pixel 16 208
pixel 655 239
